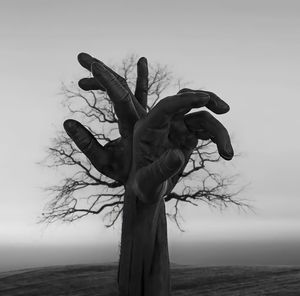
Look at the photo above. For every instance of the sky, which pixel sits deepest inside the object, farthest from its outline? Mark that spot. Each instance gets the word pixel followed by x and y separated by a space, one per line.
pixel 245 51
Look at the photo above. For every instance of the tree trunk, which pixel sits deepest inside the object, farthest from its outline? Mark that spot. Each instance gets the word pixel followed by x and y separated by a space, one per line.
pixel 144 259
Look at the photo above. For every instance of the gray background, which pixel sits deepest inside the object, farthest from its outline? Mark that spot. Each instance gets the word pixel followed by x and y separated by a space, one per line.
pixel 245 51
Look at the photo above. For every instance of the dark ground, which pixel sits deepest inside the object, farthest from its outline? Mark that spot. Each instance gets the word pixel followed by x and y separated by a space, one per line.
pixel 92 280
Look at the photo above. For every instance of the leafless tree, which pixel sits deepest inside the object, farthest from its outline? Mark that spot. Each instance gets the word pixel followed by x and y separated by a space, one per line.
pixel 86 191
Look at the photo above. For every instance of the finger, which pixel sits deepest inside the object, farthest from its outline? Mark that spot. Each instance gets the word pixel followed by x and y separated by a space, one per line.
pixel 123 105
pixel 215 104
pixel 182 103
pixel 87 143
pixel 90 84
pixel 87 61
pixel 158 172
pixel 203 123
pixel 141 90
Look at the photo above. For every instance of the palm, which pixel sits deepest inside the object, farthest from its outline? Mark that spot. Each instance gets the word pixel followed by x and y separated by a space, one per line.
pixel 118 168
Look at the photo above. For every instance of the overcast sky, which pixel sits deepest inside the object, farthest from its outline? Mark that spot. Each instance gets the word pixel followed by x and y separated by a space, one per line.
pixel 245 51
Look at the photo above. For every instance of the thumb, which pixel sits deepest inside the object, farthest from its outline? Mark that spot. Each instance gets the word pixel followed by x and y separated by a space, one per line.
pixel 148 184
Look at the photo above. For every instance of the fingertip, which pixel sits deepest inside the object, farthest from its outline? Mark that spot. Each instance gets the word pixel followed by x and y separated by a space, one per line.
pixel 221 107
pixel 217 105
pixel 226 107
pixel 82 55
pixel 90 84
pixel 142 60
pixel 227 153
pixel 82 83
pixel 70 125
pixel 142 68
pixel 84 59
pixel 227 157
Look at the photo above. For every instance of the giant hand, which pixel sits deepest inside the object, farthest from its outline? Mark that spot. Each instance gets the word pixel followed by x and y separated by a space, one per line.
pixel 114 159
pixel 154 147
pixel 164 140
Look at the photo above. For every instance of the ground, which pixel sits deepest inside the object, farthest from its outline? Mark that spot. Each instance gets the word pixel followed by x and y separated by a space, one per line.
pixel 87 280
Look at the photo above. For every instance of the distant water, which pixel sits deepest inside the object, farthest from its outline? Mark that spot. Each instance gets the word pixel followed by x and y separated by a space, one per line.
pixel 19 257
pixel 201 254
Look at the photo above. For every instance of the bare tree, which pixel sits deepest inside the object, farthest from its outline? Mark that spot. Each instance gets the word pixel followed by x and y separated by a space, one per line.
pixel 86 191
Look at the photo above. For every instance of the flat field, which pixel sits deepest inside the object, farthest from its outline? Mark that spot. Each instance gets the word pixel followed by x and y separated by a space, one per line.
pixel 93 280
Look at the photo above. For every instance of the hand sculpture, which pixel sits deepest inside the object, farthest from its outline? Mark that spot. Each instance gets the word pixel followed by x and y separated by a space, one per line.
pixel 154 146
pixel 147 159
pixel 114 159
